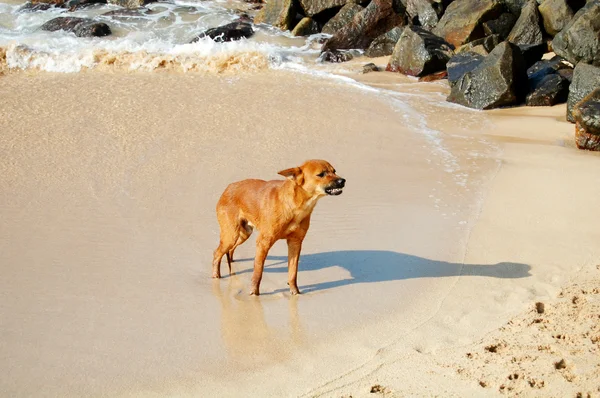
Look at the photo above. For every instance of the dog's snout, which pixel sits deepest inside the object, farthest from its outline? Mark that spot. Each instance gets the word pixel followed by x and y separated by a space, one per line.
pixel 341 182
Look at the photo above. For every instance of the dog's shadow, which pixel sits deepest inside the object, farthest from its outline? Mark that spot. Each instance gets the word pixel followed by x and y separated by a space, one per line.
pixel 369 266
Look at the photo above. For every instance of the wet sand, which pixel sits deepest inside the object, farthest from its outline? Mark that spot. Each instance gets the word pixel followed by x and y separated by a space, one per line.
pixel 108 187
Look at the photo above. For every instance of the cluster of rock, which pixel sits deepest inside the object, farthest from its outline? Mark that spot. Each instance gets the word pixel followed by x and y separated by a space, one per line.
pixel 491 51
pixel 88 27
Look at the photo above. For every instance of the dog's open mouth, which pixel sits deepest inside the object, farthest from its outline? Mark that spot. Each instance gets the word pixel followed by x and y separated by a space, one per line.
pixel 333 191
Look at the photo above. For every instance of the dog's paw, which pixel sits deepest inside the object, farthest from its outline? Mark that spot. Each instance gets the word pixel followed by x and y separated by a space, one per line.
pixel 216 276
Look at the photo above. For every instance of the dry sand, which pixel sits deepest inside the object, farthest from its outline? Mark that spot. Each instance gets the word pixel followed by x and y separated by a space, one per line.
pixel 107 190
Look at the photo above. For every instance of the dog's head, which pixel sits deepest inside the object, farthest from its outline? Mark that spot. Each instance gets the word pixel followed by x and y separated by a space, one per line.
pixel 316 177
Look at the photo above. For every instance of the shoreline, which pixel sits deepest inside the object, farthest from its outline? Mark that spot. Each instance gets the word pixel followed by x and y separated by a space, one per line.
pixel 444 320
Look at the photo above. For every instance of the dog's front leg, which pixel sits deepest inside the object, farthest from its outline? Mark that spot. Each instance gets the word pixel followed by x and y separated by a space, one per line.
pixel 294 248
pixel 263 244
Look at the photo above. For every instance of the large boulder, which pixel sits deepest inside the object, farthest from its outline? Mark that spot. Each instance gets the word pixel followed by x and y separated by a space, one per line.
pixel 377 18
pixel 462 63
pixel 587 122
pixel 586 78
pixel 556 14
pixel 384 44
pixel 237 30
pixel 306 27
pixel 482 46
pixel 314 7
pixel 419 53
pixel 500 26
pixel 550 90
pixel 342 18
pixel 514 6
pixel 462 22
pixel 425 13
pixel 532 53
pixel 579 41
pixel 527 29
pixel 278 13
pixel 82 27
pixel 500 80
pixel 34 7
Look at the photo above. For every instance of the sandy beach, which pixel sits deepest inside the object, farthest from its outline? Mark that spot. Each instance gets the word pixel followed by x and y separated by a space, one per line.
pixel 454 223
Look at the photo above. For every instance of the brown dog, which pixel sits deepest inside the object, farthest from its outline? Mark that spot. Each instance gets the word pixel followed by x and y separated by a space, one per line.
pixel 279 209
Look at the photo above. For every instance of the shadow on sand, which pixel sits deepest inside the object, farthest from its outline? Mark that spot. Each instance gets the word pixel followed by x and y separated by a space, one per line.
pixel 368 266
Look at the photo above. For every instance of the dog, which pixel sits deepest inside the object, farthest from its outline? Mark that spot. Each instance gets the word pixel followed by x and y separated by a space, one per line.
pixel 279 209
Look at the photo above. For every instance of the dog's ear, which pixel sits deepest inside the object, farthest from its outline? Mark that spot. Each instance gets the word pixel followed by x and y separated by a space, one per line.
pixel 294 174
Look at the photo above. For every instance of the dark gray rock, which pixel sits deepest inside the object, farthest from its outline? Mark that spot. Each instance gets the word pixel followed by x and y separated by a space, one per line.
pixel 500 26
pixel 384 45
pixel 514 6
pixel 586 78
pixel 550 90
pixel 419 53
pixel 567 74
pixel 336 56
pixel 462 63
pixel 368 68
pixel 487 44
pixel 33 7
pixel 587 122
pixel 579 41
pixel 306 27
pixel 533 52
pixel 74 5
pixel 556 14
pixel 130 3
pixel 377 18
pixel 425 13
pixel 500 80
pixel 342 18
pixel 278 13
pixel 314 7
pixel 230 32
pixel 462 22
pixel 527 29
pixel 82 27
pixel 552 65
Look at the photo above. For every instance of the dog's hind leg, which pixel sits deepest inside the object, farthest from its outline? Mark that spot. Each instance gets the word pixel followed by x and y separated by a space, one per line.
pixel 229 235
pixel 245 231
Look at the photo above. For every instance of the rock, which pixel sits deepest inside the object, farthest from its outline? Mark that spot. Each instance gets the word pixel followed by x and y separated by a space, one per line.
pixel 556 14
pixel 130 3
pixel 342 18
pixel 579 41
pixel 462 22
pixel 514 6
pixel 73 5
pixel 237 30
pixel 278 13
pixel 487 44
pixel 82 27
pixel 56 3
pixel 384 45
pixel 125 13
pixel 500 26
pixel 586 78
pixel 527 28
pixel 377 18
pixel 419 52
pixel 424 12
pixel 306 27
pixel 540 307
pixel 462 63
pixel 499 80
pixel 336 56
pixel 368 68
pixel 33 7
pixel 550 90
pixel 552 65
pixel 533 52
pixel 587 119
pixel 314 7
pixel 567 74
pixel 434 76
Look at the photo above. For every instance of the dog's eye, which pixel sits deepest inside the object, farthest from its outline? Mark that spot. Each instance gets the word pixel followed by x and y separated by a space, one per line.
pixel 321 174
